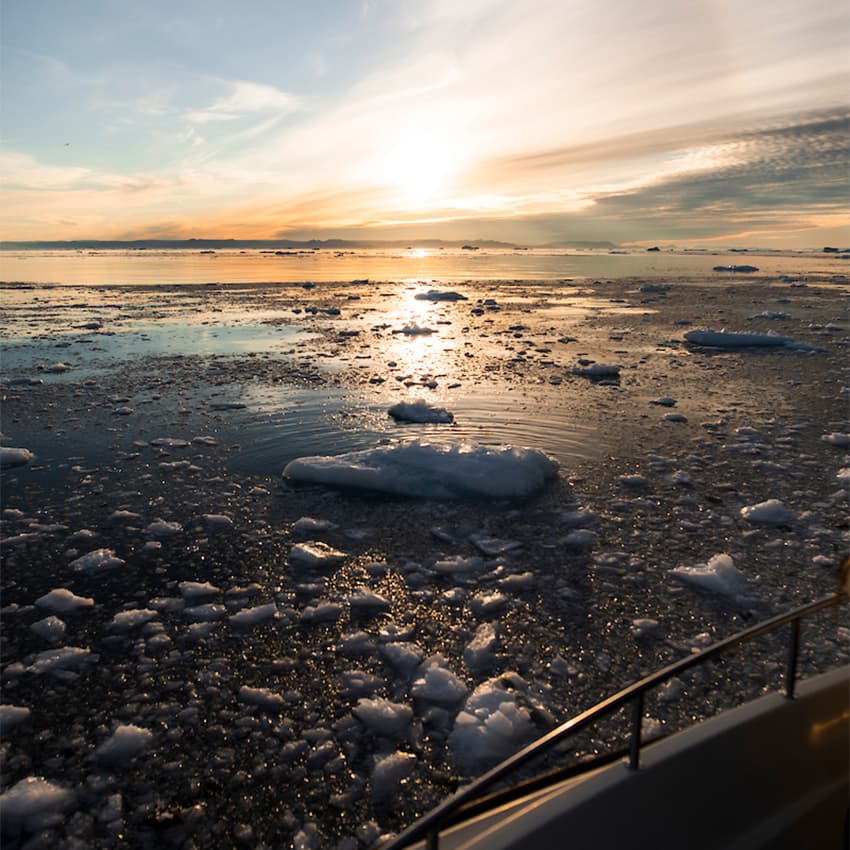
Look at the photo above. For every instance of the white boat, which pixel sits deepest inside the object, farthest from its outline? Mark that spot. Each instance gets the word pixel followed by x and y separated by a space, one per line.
pixel 770 773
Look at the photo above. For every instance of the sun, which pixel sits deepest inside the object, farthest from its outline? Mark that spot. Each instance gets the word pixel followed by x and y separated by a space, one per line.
pixel 419 165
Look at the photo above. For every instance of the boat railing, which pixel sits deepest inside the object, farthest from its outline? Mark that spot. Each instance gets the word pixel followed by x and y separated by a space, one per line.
pixel 428 827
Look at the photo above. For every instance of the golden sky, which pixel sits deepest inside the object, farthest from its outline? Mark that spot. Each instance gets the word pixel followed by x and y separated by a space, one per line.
pixel 537 122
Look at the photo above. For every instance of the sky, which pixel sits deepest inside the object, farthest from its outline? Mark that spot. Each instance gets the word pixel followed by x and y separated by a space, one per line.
pixel 704 122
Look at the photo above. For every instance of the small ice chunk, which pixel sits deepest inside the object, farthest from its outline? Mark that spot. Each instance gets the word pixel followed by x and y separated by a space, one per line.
pixel 645 627
pixel 384 717
pixel 364 601
pixel 227 405
pixel 12 457
pixel 439 295
pixel 719 575
pixel 203 440
pixel 162 528
pixel 125 743
pixel 490 727
pixel 478 653
pixel 671 690
pixel 598 370
pixel 249 617
pixel 51 629
pixel 458 564
pixel 324 612
pixel 358 683
pixel 356 643
pixel 217 522
pixel 262 698
pixel 493 545
pixel 170 442
pixel 433 470
pixel 11 716
pixel 191 590
pixel 198 631
pixel 309 525
pixel 580 538
pixel 315 554
pixel 518 582
pixel 124 516
pixel 404 657
pixel 488 604
pixel 124 621
pixel 436 683
pixel 579 518
pixel 32 799
pixel 771 512
pixel 836 438
pixel 389 773
pixel 420 411
pixel 62 658
pixel 99 559
pixel 205 613
pixel 61 600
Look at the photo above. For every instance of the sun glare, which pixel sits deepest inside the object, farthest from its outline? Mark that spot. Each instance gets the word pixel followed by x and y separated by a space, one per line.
pixel 419 165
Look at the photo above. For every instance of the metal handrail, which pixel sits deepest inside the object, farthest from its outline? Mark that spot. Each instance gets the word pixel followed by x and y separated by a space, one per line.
pixel 429 825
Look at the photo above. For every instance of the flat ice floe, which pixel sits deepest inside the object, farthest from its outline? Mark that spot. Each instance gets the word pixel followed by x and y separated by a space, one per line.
pixel 744 339
pixel 420 411
pixel 433 470
pixel 12 457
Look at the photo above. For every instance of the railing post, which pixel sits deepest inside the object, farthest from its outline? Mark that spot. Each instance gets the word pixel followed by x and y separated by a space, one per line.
pixel 791 667
pixel 634 743
pixel 433 842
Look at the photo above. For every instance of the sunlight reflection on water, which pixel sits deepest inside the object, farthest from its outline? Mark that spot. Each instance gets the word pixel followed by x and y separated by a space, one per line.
pixel 418 264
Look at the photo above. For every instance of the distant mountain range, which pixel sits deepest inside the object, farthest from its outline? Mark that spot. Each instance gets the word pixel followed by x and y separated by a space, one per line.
pixel 276 244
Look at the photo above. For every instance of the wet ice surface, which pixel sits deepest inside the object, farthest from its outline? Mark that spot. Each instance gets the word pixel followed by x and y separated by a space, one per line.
pixel 198 653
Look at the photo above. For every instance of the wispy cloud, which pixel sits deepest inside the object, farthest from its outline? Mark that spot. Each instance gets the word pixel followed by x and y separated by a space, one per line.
pixel 244 99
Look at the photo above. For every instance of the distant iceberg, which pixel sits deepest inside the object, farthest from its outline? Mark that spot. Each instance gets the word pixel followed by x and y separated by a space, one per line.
pixel 433 470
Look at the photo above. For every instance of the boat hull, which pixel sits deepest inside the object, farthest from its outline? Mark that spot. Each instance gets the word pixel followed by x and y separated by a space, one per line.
pixel 772 773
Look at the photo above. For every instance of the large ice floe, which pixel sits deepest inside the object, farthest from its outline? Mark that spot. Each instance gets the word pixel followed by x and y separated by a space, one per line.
pixel 744 339
pixel 433 470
